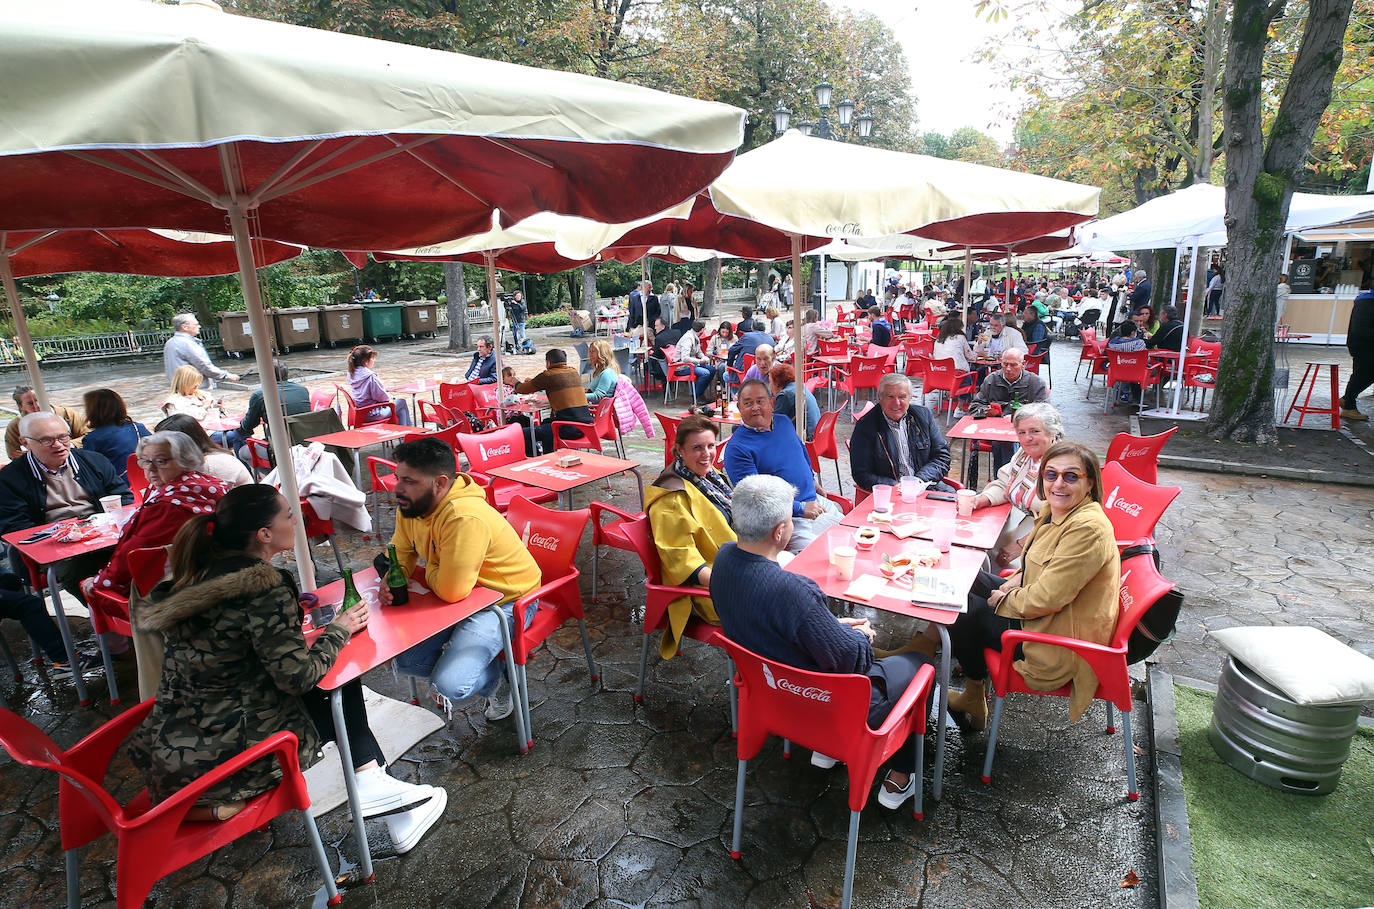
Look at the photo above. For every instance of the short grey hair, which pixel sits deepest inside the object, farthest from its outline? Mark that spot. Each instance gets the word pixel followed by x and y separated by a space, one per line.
pixel 758 504
pixel 29 420
pixel 183 318
pixel 20 391
pixel 1046 413
pixel 893 378
pixel 185 452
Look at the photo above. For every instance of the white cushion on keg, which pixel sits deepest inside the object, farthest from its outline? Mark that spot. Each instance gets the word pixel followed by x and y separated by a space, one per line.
pixel 1308 665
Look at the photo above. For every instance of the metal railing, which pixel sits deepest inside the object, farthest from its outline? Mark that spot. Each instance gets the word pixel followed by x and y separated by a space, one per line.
pixel 100 346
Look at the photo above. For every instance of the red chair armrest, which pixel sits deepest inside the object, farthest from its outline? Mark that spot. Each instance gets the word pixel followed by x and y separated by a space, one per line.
pixel 919 688
pixel 1101 657
pixel 281 744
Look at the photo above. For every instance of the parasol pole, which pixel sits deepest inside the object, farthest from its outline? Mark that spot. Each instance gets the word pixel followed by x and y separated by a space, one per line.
pixel 968 278
pixel 237 207
pixel 21 326
pixel 799 348
pixel 489 257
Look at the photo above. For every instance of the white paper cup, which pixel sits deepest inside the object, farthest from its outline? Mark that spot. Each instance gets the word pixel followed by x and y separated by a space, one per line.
pixel 942 535
pixel 912 489
pixel 843 560
pixel 111 504
pixel 882 498
pixel 964 499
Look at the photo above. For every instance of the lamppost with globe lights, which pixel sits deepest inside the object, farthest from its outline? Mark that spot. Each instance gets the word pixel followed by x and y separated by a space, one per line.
pixel 848 127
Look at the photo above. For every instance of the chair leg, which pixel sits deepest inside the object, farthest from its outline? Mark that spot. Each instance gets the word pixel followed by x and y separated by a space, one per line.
pixel 997 702
pixel 787 748
pixel 1111 723
pixel 839 481
pixel 734 699
pixel 338 558
pixel 109 668
pixel 587 649
pixel 643 665
pixel 321 859
pixel 739 809
pixel 851 852
pixel 1132 791
pixel 596 566
pixel 525 703
pixel 414 690
pixel 73 863
pixel 918 810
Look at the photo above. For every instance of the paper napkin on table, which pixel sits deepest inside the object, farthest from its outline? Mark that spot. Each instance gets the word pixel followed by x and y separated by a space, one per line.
pixel 865 588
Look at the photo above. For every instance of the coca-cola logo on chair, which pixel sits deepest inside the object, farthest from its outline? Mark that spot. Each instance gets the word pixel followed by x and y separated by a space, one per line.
pixel 782 684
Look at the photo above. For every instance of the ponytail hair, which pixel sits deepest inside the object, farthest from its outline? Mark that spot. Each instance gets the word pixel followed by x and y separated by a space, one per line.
pixel 242 512
pixel 359 356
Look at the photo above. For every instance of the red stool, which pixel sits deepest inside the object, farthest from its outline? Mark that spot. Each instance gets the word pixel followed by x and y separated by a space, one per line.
pixel 1310 375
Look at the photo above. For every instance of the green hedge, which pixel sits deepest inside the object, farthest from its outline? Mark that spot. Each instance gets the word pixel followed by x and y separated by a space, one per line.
pixel 545 319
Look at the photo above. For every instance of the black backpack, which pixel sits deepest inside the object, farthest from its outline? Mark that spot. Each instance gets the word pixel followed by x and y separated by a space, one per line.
pixel 1159 622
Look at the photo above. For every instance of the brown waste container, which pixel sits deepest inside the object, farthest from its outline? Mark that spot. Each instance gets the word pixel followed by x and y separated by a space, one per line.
pixel 298 326
pixel 419 317
pixel 236 332
pixel 341 323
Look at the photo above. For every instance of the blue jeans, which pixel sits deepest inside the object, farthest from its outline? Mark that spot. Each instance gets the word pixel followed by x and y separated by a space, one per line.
pixel 705 376
pixel 463 662
pixel 517 334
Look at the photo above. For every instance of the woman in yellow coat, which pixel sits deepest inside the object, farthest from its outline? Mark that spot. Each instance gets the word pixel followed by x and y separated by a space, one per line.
pixel 689 515
pixel 1070 586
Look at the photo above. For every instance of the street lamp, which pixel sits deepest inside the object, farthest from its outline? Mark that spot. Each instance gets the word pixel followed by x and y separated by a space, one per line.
pixel 848 126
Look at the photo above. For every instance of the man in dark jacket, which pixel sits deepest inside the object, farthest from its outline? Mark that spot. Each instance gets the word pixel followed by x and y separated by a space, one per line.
pixel 636 309
pixel 665 339
pixel 1359 339
pixel 880 328
pixel 1170 334
pixel 1140 296
pixel 483 367
pixel 746 344
pixel 52 482
pixel 897 439
pixel 294 399
pixel 1011 387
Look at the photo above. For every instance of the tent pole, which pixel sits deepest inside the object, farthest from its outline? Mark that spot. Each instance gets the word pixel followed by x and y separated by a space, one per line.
pixel 1183 346
pixel 489 258
pixel 1173 298
pixel 798 347
pixel 968 278
pixel 21 330
pixel 262 353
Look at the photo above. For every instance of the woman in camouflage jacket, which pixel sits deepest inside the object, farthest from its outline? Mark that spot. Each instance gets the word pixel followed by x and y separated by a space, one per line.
pixel 236 669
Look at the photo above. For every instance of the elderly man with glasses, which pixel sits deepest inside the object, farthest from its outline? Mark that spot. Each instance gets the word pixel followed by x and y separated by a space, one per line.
pixel 55 481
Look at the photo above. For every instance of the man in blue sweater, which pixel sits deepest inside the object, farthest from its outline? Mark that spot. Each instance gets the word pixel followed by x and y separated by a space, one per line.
pixel 783 616
pixel 767 443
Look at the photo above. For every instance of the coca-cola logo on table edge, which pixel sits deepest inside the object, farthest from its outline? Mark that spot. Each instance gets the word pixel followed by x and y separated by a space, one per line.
pixel 782 684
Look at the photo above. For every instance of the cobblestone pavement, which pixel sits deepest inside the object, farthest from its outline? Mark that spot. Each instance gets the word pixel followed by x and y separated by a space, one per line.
pixel 623 804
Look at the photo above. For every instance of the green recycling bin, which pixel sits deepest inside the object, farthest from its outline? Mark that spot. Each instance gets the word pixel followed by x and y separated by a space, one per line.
pixel 236 332
pixel 381 320
pixel 341 324
pixel 420 317
pixel 297 326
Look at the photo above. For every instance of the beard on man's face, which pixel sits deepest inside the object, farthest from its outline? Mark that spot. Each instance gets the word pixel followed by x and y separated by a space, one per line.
pixel 416 508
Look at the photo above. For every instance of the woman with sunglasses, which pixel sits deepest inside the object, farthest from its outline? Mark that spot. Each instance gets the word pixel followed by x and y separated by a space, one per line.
pixel 1068 587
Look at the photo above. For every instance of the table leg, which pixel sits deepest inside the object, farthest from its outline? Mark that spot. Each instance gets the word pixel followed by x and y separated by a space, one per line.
pixel 355 806
pixel 357 467
pixel 937 787
pixel 82 697
pixel 639 478
pixel 513 676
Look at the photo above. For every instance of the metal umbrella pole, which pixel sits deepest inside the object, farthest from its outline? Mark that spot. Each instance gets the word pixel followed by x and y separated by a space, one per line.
pixel 798 347
pixel 21 326
pixel 497 310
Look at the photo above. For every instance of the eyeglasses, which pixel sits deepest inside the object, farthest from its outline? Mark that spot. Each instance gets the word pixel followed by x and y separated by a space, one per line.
pixel 50 441
pixel 158 463
pixel 1068 476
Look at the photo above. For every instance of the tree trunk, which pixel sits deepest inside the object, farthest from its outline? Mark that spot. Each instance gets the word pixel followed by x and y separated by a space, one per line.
pixel 760 279
pixel 456 290
pixel 589 289
pixel 1214 38
pixel 710 287
pixel 1161 272
pixel 1260 177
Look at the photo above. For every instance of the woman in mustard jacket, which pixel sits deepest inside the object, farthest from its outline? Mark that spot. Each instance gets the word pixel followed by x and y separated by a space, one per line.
pixel 689 514
pixel 1069 586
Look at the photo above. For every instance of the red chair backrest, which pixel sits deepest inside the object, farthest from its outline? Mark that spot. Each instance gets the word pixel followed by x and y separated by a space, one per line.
pixel 941 375
pixel 889 353
pixel 831 347
pixel 606 425
pixel 1128 366
pixel 1210 351
pixel 824 437
pixel 1139 454
pixel 552 537
pixel 258 461
pixel 138 479
pixel 636 530
pixel 494 447
pixel 148 567
pixel 746 362
pixel 437 414
pixel 323 400
pixel 1033 361
pixel 669 435
pixel 484 397
pixel 584 435
pixel 448 435
pixel 918 347
pixel 456 396
pixel 355 417
pixel 866 372
pixel 1133 506
pixel 97 810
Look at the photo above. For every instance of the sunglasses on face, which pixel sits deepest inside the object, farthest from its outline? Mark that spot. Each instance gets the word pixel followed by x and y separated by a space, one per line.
pixel 1068 476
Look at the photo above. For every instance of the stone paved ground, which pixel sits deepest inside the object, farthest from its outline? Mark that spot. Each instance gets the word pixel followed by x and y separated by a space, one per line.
pixel 622 804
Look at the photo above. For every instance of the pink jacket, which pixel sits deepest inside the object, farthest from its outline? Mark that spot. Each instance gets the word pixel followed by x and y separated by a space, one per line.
pixel 629 408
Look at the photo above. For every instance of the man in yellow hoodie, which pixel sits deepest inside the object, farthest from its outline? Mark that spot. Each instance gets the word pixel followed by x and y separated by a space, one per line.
pixel 444 521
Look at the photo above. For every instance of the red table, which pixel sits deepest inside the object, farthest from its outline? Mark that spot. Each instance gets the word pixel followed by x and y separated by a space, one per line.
pixel 543 472
pixel 390 631
pixel 962 565
pixel 979 530
pixel 988 429
pixel 415 389
pixel 49 554
pixel 534 406
pixel 221 424
pixel 358 439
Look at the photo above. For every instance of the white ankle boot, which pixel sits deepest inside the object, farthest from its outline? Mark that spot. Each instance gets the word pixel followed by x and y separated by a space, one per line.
pixel 379 792
pixel 407 829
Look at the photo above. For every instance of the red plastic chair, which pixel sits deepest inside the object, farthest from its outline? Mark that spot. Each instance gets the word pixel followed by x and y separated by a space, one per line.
pixel 586 437
pixel 1033 362
pixel 316 526
pixel 889 352
pixel 782 700
pixel 1130 366
pixel 864 373
pixel 156 840
pixel 1087 353
pixel 552 538
pixel 1139 454
pixel 669 435
pixel 109 610
pixel 437 414
pixel 610 534
pixel 361 416
pixel 456 396
pixel 493 448
pixel 832 347
pixel 1098 366
pixel 659 595
pixel 484 398
pixel 607 426
pixel 1141 588
pixel 1132 505
pixel 323 400
pixel 259 457
pixel 678 372
pixel 943 376
pixel 138 478
pixel 381 483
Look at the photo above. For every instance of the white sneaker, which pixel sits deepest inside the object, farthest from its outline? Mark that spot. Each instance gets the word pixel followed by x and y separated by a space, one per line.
pixel 379 792
pixel 823 761
pixel 893 798
pixel 407 829
pixel 500 705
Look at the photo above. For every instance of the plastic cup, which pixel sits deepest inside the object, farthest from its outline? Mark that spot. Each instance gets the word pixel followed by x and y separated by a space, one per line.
pixel 963 498
pixel 911 489
pixel 843 560
pixel 836 538
pixel 882 498
pixel 111 504
pixel 942 535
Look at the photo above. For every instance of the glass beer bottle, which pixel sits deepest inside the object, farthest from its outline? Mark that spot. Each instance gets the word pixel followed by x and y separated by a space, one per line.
pixel 396 578
pixel 351 596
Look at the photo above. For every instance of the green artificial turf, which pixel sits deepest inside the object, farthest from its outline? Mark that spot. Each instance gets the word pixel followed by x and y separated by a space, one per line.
pixel 1255 847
